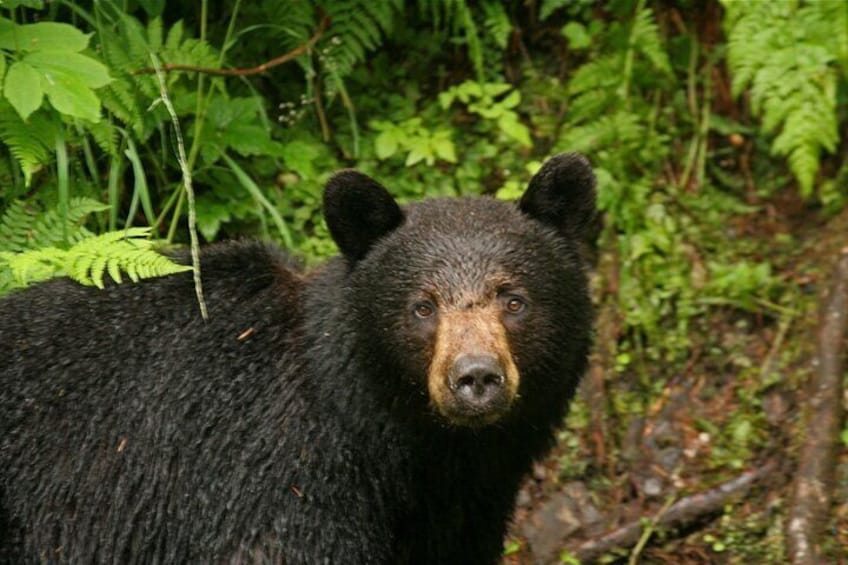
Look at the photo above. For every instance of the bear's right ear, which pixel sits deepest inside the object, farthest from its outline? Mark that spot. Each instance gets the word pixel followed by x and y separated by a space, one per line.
pixel 359 211
pixel 562 194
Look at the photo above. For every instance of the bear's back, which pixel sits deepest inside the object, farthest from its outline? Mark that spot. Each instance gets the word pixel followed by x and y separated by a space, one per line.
pixel 125 386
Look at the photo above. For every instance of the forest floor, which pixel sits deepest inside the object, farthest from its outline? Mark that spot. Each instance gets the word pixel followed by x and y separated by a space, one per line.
pixel 716 452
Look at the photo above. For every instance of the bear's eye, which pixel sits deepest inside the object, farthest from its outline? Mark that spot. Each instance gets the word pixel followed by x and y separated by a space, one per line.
pixel 424 309
pixel 514 305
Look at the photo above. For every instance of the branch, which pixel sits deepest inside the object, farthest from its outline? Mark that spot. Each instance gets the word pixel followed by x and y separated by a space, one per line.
pixel 189 188
pixel 680 514
pixel 811 495
pixel 284 58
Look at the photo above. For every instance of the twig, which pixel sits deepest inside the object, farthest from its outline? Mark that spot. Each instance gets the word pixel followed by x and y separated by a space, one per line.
pixel 683 512
pixel 277 61
pixel 189 190
pixel 650 528
pixel 813 482
pixel 776 346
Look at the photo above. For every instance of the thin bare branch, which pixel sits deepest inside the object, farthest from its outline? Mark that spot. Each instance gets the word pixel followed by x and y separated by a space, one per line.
pixel 277 61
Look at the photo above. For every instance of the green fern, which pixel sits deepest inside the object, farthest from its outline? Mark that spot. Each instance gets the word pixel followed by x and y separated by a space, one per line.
pixel 456 16
pixel 603 84
pixel 23 228
pixel 621 130
pixel 357 28
pixel 127 46
pixel 124 48
pixel 786 54
pixel 645 39
pixel 129 251
pixel 497 23
pixel 32 248
pixel 31 143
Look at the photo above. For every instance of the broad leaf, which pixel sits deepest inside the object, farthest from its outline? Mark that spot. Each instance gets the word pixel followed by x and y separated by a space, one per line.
pixel 22 88
pixel 71 96
pixel 43 36
pixel 386 144
pixel 90 72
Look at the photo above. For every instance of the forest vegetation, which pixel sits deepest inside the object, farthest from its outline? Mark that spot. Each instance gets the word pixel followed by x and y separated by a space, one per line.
pixel 719 135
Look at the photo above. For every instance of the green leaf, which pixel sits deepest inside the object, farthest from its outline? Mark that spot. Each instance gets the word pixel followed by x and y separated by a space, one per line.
pixel 416 155
pixel 512 100
pixel 70 95
pixel 444 147
pixel 43 36
pixel 548 7
pixel 22 88
pixel 509 124
pixel 154 8
pixel 577 35
pixel 386 144
pixel 493 89
pixel 90 72
pixel 2 72
pixel 300 157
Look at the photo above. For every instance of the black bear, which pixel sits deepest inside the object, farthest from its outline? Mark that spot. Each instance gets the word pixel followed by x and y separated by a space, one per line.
pixel 381 408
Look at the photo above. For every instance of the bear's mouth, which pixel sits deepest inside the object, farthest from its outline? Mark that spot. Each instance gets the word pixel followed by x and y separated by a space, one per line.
pixel 469 415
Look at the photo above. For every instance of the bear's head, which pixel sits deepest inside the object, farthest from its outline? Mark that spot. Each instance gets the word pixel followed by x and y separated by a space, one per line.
pixel 474 307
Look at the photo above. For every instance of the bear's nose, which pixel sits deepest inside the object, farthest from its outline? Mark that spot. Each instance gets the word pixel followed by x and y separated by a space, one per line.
pixel 477 381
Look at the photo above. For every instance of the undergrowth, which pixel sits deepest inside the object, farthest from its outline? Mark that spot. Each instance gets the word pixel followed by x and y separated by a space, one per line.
pixel 433 98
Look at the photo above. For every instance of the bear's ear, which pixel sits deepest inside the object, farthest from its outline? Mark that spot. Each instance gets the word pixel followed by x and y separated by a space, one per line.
pixel 359 211
pixel 562 194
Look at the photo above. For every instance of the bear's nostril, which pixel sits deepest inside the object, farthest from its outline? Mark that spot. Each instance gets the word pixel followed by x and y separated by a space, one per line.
pixel 477 380
pixel 493 379
pixel 466 381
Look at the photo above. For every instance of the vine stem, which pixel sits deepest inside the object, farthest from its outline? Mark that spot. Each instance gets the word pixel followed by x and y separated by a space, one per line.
pixel 187 184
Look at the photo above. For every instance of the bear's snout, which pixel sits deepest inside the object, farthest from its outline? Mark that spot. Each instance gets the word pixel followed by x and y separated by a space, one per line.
pixel 473 379
pixel 477 382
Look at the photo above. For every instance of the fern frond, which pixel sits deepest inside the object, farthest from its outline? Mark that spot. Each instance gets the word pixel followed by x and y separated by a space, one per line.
pixel 456 16
pixel 786 53
pixel 23 228
pixel 47 229
pixel 19 270
pixel 357 28
pixel 15 226
pixel 30 143
pixel 125 251
pixel 593 86
pixel 105 134
pixel 496 22
pixel 620 129
pixel 646 39
pixel 129 251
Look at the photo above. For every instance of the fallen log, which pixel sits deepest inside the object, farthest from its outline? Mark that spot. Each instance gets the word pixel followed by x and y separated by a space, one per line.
pixel 810 501
pixel 682 513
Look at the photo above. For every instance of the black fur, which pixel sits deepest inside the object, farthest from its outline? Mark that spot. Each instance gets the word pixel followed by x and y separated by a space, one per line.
pixel 294 426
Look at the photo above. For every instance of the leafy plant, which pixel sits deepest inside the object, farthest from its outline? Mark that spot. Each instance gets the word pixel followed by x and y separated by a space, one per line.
pixel 418 142
pixel 47 61
pixel 787 56
pixel 494 102
pixel 36 246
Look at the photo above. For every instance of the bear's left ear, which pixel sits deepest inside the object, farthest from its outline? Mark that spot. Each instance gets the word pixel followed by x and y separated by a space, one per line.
pixel 562 194
pixel 359 211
